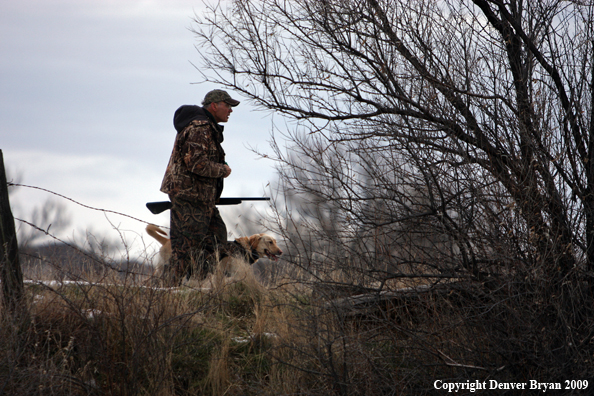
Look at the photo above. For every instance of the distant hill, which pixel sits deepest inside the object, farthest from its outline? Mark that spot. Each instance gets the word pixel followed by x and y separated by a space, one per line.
pixel 62 262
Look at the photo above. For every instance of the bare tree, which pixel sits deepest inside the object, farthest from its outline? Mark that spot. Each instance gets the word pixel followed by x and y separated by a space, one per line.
pixel 440 140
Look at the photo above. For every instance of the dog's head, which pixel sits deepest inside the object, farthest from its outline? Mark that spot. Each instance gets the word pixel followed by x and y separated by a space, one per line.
pixel 263 244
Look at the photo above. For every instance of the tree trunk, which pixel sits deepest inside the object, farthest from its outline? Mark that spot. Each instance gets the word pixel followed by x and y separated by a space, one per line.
pixel 10 268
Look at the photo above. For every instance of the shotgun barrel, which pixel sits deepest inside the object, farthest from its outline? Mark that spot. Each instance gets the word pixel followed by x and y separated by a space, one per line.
pixel 161 206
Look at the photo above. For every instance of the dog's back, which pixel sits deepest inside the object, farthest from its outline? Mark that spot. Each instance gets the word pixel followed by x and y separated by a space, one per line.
pixel 261 244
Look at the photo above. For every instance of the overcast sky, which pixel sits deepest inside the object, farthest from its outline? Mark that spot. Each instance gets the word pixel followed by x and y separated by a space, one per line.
pixel 88 92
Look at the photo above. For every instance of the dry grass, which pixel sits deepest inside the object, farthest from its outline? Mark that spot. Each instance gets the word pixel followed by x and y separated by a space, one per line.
pixel 112 334
pixel 109 334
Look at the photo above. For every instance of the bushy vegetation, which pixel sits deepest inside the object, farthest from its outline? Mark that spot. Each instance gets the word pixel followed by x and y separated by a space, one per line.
pixel 298 334
pixel 108 337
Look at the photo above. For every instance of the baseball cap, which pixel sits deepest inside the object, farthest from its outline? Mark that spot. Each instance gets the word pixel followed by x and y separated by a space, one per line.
pixel 218 95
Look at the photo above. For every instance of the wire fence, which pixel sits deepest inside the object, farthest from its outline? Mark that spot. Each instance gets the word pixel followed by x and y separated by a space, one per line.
pixel 145 254
pixel 10 184
pixel 98 260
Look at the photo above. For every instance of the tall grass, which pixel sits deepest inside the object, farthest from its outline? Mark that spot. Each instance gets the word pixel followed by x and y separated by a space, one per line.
pixel 110 333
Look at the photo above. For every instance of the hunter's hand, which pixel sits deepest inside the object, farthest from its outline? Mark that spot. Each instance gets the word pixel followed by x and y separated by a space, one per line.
pixel 227 170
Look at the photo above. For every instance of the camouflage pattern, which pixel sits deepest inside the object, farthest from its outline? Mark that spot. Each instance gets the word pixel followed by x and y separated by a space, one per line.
pixel 194 182
pixel 196 167
pixel 197 231
pixel 198 240
pixel 218 95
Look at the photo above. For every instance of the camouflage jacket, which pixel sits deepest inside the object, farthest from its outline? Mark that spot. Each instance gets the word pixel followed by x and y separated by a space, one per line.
pixel 196 167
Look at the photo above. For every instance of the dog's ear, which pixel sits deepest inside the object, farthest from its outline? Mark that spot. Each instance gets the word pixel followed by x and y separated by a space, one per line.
pixel 243 241
pixel 254 241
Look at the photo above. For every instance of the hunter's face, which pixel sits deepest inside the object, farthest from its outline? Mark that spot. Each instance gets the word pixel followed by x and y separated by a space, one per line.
pixel 221 111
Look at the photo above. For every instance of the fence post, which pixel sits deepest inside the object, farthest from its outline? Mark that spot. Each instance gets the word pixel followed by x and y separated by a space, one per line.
pixel 11 275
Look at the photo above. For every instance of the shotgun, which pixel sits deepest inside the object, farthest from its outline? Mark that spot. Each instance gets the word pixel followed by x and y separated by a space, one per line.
pixel 161 206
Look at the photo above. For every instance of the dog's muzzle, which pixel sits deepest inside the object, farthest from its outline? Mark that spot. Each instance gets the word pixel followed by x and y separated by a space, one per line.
pixel 271 256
